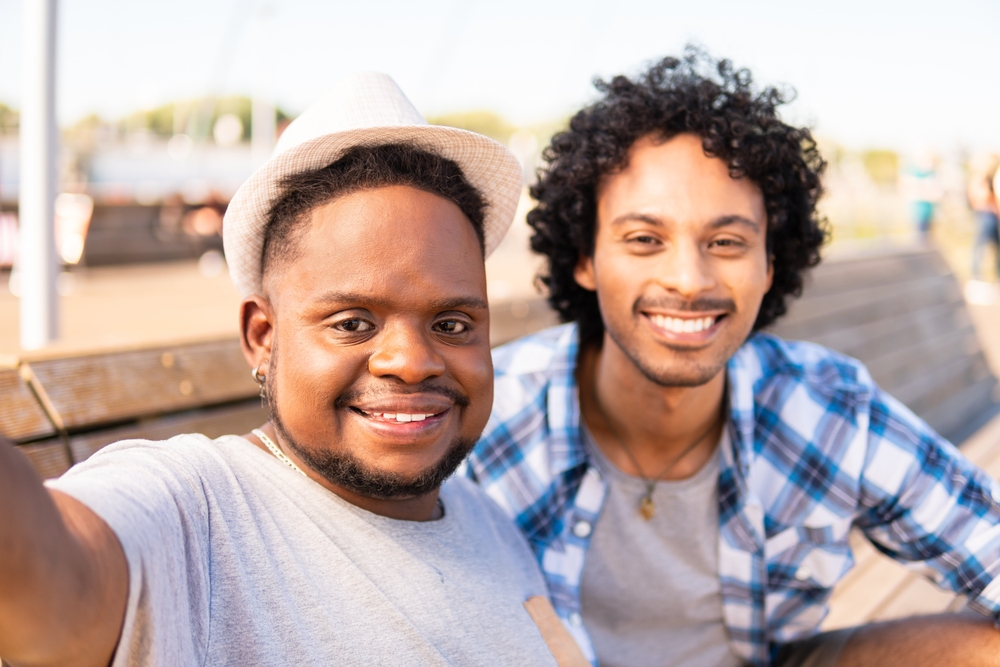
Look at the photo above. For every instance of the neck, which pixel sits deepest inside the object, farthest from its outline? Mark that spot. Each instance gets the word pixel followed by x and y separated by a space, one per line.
pixel 419 508
pixel 657 424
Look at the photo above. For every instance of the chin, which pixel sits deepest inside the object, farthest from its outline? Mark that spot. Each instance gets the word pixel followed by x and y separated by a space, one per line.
pixel 416 476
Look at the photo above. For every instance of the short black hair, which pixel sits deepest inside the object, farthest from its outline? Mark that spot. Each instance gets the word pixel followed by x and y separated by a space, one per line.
pixel 365 168
pixel 735 121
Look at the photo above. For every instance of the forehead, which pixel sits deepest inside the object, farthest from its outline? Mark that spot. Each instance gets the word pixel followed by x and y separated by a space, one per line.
pixel 677 181
pixel 396 243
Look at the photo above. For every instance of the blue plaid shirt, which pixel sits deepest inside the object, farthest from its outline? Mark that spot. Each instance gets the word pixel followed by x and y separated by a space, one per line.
pixel 816 448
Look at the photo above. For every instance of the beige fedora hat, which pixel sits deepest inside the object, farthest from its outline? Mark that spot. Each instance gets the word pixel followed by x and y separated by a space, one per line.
pixel 367 109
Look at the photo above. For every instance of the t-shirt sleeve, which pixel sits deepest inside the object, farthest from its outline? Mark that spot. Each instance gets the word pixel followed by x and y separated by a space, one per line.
pixel 152 497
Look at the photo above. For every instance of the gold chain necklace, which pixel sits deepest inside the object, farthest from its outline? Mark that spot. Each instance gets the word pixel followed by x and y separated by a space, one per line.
pixel 278 454
pixel 646 507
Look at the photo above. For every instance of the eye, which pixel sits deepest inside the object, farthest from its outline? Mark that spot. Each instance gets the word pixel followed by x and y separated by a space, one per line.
pixel 727 243
pixel 355 325
pixel 452 327
pixel 644 239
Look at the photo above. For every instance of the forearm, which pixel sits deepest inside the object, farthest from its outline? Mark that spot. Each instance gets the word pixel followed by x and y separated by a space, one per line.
pixel 967 639
pixel 53 583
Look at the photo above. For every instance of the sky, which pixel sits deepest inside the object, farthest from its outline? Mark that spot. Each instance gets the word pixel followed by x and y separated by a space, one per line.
pixel 869 74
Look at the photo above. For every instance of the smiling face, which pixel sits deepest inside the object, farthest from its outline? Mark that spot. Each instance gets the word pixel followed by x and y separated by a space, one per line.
pixel 377 355
pixel 680 261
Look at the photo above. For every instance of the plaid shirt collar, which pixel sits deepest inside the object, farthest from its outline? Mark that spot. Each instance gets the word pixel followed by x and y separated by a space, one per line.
pixel 566 450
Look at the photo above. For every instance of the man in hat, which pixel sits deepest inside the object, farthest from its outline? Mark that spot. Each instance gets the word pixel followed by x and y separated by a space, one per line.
pixel 689 483
pixel 329 535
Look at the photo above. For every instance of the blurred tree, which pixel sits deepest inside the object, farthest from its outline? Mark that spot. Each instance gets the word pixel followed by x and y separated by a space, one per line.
pixel 176 117
pixel 10 119
pixel 882 166
pixel 482 122
pixel 86 133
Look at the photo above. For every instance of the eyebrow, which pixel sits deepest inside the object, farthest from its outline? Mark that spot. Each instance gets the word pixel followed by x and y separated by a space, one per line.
pixel 722 221
pixel 727 220
pixel 447 303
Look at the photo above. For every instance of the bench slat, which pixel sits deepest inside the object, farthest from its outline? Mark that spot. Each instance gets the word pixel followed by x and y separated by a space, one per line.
pixel 113 387
pixel 21 418
pixel 885 268
pixel 51 459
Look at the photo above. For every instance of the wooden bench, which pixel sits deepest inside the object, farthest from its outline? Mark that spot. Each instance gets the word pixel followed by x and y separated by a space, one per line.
pixel 63 409
pixel 901 312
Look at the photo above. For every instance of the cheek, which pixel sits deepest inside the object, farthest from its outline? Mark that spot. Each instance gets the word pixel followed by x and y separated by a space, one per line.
pixel 311 375
pixel 748 280
pixel 618 276
pixel 472 368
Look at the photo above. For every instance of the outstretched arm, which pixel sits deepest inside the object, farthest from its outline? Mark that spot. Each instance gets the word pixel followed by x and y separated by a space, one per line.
pixel 967 639
pixel 63 574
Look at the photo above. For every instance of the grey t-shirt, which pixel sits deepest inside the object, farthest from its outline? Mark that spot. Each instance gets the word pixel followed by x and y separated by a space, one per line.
pixel 650 593
pixel 236 559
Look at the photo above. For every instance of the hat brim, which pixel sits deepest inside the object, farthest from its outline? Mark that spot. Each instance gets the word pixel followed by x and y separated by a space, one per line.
pixel 487 165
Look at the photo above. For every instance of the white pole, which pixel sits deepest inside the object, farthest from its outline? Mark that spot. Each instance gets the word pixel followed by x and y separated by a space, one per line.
pixel 38 264
pixel 263 119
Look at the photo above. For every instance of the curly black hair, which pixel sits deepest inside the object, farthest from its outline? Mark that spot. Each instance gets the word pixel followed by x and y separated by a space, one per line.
pixel 736 122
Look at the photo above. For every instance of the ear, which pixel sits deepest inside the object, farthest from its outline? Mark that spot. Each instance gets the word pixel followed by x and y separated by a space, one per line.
pixel 770 273
pixel 584 273
pixel 256 331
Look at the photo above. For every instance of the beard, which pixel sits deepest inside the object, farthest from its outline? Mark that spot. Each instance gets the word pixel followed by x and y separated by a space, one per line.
pixel 681 372
pixel 348 472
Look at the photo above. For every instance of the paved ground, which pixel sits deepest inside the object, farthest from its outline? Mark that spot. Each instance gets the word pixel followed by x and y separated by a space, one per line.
pixel 106 308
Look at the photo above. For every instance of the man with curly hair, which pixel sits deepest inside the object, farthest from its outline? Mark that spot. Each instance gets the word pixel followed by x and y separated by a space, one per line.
pixel 688 481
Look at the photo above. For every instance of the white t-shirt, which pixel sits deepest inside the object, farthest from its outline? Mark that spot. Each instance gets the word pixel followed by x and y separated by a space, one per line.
pixel 236 559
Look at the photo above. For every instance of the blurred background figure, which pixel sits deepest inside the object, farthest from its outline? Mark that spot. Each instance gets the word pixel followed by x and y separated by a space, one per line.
pixel 983 201
pixel 924 190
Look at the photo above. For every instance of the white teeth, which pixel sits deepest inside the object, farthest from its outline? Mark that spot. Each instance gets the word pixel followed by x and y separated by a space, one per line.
pixel 401 417
pixel 678 325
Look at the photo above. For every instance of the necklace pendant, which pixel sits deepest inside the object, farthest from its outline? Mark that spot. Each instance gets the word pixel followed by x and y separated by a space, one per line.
pixel 646 508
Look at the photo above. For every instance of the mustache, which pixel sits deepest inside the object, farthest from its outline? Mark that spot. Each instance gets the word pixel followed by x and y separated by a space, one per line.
pixel 388 390
pixel 674 303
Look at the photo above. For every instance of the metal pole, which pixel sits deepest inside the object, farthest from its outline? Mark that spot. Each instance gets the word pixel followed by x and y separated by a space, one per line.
pixel 38 265
pixel 262 111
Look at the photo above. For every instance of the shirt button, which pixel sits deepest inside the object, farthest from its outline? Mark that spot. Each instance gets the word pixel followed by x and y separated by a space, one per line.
pixel 802 573
pixel 575 620
pixel 582 528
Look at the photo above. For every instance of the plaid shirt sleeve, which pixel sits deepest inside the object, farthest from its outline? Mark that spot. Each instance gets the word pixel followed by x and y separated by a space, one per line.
pixel 922 501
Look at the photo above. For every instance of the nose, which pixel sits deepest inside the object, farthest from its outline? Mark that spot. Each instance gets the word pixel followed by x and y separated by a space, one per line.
pixel 686 270
pixel 405 351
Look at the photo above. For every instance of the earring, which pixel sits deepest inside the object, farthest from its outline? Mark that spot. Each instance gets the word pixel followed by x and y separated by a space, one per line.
pixel 259 379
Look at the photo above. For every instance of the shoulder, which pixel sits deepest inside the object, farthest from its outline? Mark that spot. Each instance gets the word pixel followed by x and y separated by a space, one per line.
pixel 541 352
pixel 189 452
pixel 766 359
pixel 152 473
pixel 528 368
pixel 477 508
